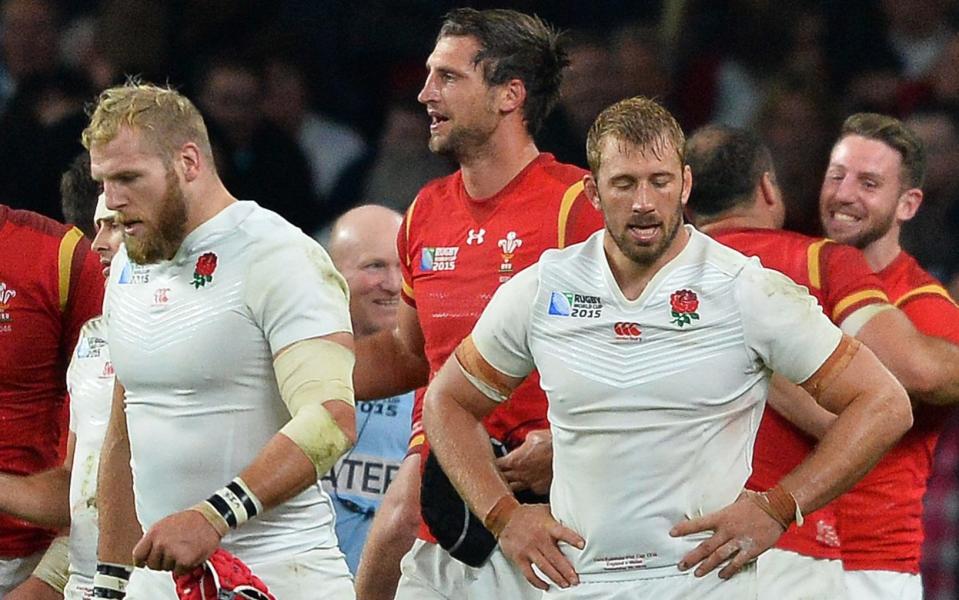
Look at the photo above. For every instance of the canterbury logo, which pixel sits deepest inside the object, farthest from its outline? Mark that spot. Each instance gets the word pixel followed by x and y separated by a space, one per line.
pixel 475 237
pixel 628 331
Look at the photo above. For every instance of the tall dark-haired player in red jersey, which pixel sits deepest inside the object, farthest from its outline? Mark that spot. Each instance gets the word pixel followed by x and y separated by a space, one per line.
pixel 736 200
pixel 50 285
pixel 492 78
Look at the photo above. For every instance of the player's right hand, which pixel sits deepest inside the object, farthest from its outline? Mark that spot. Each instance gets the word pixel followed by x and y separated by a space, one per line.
pixel 531 538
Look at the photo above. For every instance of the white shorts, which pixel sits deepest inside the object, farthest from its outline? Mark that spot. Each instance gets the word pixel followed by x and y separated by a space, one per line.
pixel 78 588
pixel 883 585
pixel 295 578
pixel 741 586
pixel 785 575
pixel 430 573
pixel 14 571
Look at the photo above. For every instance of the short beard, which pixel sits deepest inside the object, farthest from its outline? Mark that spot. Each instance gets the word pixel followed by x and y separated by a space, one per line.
pixel 461 145
pixel 866 238
pixel 161 239
pixel 645 257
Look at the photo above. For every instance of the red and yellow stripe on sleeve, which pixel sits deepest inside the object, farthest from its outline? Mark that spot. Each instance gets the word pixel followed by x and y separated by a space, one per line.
pixel 407 262
pixel 67 257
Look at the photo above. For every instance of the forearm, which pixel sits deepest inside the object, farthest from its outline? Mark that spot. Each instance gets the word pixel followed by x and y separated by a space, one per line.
pixel 927 367
pixel 874 412
pixel 391 534
pixel 42 499
pixel 119 528
pixel 462 446
pixel 385 367
pixel 935 373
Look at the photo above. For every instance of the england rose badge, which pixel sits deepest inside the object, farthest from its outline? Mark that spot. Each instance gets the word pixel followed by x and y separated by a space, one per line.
pixel 203 271
pixel 683 304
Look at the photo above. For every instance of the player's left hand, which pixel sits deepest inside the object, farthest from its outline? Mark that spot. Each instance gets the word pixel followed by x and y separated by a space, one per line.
pixel 529 466
pixel 741 532
pixel 178 543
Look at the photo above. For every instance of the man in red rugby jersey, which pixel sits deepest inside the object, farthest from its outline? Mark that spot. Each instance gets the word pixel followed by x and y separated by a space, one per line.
pixel 492 78
pixel 736 200
pixel 873 185
pixel 50 285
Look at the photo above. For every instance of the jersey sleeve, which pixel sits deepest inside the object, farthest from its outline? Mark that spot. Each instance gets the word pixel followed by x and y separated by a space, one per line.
pixel 295 293
pixel 500 334
pixel 578 218
pixel 932 311
pixel 784 325
pixel 849 284
pixel 81 288
pixel 406 260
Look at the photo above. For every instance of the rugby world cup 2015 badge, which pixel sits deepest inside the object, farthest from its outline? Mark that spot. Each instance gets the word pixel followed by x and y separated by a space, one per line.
pixel 571 304
pixel 438 258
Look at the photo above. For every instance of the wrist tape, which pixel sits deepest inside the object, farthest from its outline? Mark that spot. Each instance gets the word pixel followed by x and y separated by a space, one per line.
pixel 111 580
pixel 498 517
pixel 230 507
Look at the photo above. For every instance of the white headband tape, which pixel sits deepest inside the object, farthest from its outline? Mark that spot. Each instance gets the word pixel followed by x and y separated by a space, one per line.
pixel 102 212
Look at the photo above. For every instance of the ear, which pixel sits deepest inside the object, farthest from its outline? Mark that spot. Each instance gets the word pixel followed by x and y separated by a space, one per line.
pixel 512 96
pixel 908 203
pixel 687 184
pixel 767 190
pixel 592 191
pixel 191 161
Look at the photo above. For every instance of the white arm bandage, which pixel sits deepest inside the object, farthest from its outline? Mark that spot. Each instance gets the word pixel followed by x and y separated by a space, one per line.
pixel 309 373
pixel 54 567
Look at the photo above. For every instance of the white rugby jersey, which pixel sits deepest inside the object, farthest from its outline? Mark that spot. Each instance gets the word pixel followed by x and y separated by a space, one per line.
pixel 193 340
pixel 653 403
pixel 90 383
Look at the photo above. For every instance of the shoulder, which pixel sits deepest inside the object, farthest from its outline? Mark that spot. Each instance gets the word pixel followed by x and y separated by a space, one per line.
pixel 718 256
pixel 38 224
pixel 561 174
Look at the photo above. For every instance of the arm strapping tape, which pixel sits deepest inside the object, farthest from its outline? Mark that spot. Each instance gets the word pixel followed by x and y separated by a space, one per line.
pixel 54 567
pixel 309 373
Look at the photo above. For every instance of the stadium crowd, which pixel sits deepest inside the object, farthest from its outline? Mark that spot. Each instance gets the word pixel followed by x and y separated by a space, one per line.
pixel 324 114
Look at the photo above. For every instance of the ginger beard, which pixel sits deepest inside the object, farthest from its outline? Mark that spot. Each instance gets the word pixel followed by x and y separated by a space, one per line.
pixel 163 234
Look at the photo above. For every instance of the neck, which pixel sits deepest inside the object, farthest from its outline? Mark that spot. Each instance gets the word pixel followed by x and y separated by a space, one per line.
pixel 205 201
pixel 883 251
pixel 501 159
pixel 631 276
pixel 732 221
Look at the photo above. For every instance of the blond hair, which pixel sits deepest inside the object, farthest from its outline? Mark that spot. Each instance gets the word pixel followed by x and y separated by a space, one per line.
pixel 166 118
pixel 638 121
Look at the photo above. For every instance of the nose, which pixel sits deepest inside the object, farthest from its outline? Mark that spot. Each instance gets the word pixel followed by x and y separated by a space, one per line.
pixel 100 239
pixel 115 200
pixel 642 200
pixel 393 280
pixel 845 189
pixel 428 93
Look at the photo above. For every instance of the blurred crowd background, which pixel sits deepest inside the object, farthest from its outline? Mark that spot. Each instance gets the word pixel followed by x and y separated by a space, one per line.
pixel 312 103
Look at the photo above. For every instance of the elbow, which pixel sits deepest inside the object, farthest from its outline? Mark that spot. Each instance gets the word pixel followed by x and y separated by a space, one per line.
pixel 898 411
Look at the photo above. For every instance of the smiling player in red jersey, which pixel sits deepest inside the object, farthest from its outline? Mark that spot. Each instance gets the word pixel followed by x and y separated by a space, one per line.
pixel 872 185
pixel 492 78
pixel 736 200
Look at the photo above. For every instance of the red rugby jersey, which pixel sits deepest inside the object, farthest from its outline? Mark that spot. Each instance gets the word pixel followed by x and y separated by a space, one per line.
pixel 50 284
pixel 455 252
pixel 880 519
pixel 839 277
